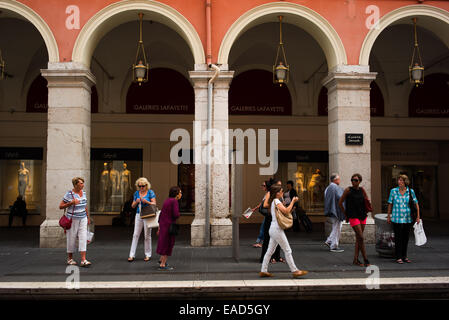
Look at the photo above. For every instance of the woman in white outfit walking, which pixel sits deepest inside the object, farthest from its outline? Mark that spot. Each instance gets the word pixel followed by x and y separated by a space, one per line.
pixel 277 235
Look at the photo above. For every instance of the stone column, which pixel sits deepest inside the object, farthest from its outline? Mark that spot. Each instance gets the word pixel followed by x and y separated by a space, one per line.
pixel 349 112
pixel 220 223
pixel 68 141
pixel 200 78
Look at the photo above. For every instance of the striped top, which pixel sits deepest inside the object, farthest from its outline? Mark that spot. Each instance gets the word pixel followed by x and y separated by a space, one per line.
pixel 77 211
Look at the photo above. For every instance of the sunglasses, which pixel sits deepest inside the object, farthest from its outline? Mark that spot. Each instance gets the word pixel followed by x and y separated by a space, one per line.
pixel 355 180
pixel 142 186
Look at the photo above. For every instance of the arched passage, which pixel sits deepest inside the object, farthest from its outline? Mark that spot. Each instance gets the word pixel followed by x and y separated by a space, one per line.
pixel 42 27
pixel 431 18
pixel 118 13
pixel 294 14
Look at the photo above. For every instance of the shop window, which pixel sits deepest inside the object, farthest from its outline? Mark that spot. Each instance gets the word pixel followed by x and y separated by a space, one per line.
pixel 309 172
pixel 21 175
pixel 37 97
pixel 422 181
pixel 432 98
pixel 113 176
pixel 254 93
pixel 166 92
pixel 186 181
pixel 376 101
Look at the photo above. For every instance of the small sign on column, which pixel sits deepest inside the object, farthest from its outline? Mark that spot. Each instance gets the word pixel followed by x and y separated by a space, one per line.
pixel 354 139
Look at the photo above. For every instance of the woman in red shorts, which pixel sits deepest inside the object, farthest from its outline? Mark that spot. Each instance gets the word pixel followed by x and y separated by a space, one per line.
pixel 355 213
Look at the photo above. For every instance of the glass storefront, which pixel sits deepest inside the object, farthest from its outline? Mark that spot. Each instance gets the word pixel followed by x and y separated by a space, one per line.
pixel 423 180
pixel 21 175
pixel 186 181
pixel 113 174
pixel 309 175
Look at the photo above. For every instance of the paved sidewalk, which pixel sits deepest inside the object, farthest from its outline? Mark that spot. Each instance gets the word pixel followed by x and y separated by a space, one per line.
pixel 22 261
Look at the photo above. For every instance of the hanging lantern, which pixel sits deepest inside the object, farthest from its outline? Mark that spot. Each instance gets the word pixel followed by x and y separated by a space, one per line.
pixel 140 66
pixel 416 68
pixel 2 67
pixel 281 69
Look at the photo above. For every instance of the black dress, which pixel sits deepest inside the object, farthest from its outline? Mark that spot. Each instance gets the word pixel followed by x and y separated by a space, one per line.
pixel 355 204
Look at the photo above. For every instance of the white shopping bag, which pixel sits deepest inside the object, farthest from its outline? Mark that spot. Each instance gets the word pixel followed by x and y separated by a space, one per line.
pixel 90 232
pixel 154 221
pixel 248 212
pixel 420 236
pixel 90 236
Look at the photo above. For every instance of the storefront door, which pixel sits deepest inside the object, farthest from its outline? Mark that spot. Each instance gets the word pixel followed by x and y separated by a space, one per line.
pixel 423 180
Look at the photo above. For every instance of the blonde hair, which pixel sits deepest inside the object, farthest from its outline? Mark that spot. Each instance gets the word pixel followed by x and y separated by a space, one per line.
pixel 143 180
pixel 404 178
pixel 76 180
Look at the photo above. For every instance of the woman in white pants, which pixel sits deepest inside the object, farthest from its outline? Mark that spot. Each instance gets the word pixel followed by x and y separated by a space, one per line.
pixel 142 197
pixel 277 235
pixel 75 202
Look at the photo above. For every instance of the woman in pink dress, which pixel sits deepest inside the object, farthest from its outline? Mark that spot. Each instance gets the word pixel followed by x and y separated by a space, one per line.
pixel 168 216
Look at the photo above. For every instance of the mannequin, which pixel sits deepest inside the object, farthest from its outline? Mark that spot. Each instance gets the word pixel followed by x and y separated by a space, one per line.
pixel 23 179
pixel 313 186
pixel 104 187
pixel 299 181
pixel 114 176
pixel 125 182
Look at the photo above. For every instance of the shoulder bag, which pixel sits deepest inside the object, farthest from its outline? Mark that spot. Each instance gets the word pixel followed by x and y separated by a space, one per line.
pixel 264 211
pixel 65 222
pixel 154 221
pixel 148 211
pixel 368 206
pixel 411 203
pixel 173 230
pixel 285 221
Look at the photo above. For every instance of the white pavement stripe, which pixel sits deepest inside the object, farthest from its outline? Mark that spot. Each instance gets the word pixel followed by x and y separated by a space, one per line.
pixel 354 282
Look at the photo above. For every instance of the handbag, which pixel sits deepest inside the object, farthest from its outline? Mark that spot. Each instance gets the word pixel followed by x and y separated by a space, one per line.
pixel 411 203
pixel 148 211
pixel 173 230
pixel 420 236
pixel 65 222
pixel 285 221
pixel 153 222
pixel 368 206
pixel 262 210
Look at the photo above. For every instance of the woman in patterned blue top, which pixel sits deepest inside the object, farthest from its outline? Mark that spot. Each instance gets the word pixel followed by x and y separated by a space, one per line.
pixel 400 214
pixel 75 201
pixel 143 197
